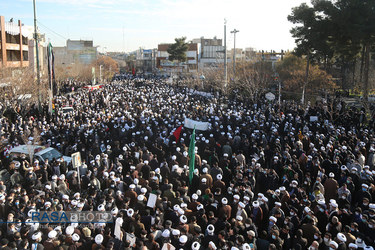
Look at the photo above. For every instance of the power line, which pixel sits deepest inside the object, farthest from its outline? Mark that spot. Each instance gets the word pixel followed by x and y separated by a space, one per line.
pixel 52 31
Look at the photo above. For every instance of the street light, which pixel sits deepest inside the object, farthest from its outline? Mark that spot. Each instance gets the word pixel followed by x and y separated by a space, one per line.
pixel 234 54
pixel 100 73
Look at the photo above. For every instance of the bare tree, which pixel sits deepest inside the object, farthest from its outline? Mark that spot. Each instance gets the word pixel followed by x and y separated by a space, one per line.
pixel 31 139
pixel 23 92
pixel 109 66
pixel 251 79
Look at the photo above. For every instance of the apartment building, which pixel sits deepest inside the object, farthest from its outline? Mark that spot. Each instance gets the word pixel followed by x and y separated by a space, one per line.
pixel 14 48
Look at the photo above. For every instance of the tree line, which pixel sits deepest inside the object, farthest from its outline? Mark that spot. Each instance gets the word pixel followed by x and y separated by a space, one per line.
pixel 337 33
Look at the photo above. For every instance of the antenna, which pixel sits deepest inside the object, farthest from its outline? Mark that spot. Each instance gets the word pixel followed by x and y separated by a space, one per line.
pixel 123 38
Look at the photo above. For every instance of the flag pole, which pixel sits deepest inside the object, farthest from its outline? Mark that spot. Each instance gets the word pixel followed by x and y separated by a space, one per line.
pixel 192 157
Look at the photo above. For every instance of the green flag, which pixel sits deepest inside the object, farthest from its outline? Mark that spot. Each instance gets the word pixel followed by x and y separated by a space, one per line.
pixel 192 156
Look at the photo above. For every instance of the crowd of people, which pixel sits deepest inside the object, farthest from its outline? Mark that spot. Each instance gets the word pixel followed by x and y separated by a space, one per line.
pixel 265 176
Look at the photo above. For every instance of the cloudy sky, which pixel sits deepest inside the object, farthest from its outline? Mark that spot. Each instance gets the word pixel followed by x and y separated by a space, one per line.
pixel 125 25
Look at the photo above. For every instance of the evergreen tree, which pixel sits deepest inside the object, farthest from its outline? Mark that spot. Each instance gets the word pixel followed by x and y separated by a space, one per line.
pixel 177 51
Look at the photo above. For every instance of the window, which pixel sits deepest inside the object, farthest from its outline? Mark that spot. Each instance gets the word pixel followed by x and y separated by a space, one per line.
pixel 53 153
pixel 13 55
pixel 12 39
pixel 25 55
pixel 25 40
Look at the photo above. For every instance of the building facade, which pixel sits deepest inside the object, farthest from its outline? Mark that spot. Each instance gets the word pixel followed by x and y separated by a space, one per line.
pixel 239 54
pixel 211 52
pixel 13 44
pixel 76 51
pixel 145 60
pixel 166 66
pixel 42 52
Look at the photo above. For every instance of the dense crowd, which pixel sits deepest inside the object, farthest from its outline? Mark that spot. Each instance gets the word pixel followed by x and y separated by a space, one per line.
pixel 266 176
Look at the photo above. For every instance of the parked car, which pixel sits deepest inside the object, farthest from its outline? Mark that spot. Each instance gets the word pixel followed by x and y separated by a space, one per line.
pixel 40 153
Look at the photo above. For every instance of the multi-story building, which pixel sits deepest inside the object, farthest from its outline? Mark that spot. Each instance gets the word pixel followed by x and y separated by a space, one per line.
pixel 211 52
pixel 191 64
pixel 76 51
pixel 145 60
pixel 240 54
pixel 42 51
pixel 13 44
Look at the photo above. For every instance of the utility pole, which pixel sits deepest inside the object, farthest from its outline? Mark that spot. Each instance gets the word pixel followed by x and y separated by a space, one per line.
pixel 225 56
pixel 50 75
pixel 37 59
pixel 100 73
pixel 306 78
pixel 234 53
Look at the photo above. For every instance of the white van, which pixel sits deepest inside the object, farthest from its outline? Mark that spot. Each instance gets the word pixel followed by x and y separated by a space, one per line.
pixel 40 153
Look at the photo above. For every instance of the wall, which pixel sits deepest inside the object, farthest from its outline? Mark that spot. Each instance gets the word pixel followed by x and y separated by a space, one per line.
pixel 75 51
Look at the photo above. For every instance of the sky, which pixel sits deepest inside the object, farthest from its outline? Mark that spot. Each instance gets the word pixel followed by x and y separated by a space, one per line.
pixel 126 25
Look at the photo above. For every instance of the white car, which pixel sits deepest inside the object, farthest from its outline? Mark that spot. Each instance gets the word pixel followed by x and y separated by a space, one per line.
pixel 40 153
